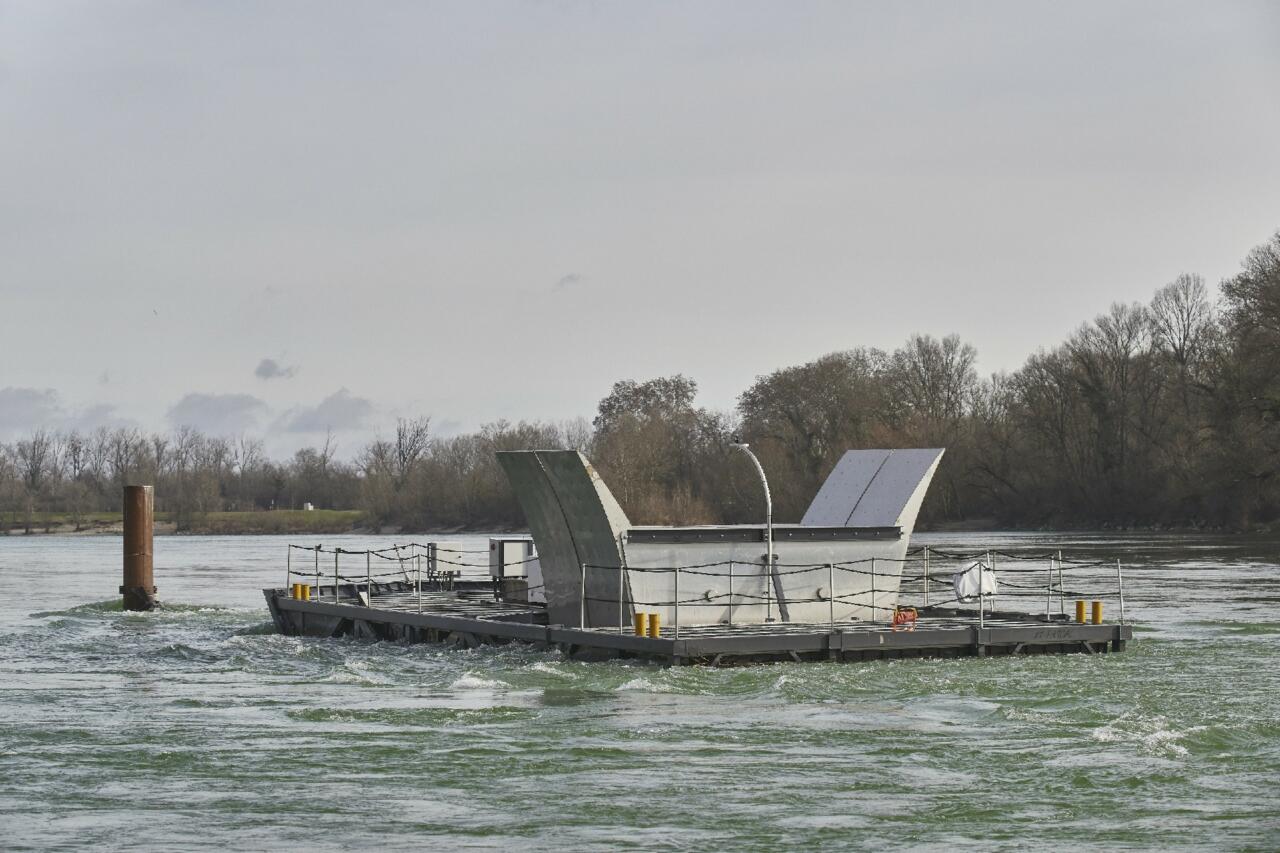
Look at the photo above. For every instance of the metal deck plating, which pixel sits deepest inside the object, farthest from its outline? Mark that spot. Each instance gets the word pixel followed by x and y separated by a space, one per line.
pixel 468 616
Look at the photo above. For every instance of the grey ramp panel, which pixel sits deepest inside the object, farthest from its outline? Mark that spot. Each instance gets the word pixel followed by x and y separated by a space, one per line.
pixel 596 521
pixel 551 533
pixel 871 488
pixel 894 486
pixel 843 488
pixel 574 520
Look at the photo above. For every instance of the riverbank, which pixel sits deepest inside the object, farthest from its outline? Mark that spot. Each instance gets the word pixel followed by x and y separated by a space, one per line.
pixel 333 521
pixel 281 521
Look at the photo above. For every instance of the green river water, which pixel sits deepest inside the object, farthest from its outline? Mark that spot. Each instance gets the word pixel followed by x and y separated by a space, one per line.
pixel 197 727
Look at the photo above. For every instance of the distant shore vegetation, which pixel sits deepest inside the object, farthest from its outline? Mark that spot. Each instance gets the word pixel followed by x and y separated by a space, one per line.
pixel 1165 414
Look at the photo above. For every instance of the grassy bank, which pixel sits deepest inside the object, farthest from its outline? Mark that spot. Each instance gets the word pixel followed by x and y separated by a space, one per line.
pixel 222 523
pixel 277 521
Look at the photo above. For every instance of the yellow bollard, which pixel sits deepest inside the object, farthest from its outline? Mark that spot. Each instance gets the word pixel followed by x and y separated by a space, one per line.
pixel 1097 613
pixel 655 625
pixel 305 591
pixel 1080 612
pixel 642 624
pixel 295 592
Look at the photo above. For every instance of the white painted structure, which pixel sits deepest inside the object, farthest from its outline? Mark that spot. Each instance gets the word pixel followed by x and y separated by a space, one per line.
pixel 599 569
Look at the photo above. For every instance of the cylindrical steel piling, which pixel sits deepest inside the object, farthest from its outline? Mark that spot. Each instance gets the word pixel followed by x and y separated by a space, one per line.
pixel 1079 611
pixel 1097 613
pixel 138 586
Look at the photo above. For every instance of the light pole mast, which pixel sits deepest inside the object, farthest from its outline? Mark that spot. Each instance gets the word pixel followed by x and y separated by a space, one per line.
pixel 768 528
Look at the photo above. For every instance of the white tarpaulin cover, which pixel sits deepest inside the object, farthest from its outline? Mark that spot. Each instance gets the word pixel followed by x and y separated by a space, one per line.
pixel 966 582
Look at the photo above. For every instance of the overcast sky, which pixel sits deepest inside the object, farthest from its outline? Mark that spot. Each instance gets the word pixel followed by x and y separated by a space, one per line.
pixel 279 217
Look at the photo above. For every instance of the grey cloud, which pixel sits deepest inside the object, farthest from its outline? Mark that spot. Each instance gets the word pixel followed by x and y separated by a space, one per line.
pixel 568 280
pixel 24 409
pixel 269 368
pixel 98 415
pixel 217 413
pixel 339 411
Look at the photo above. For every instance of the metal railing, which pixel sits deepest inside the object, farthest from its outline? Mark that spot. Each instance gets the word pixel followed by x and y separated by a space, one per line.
pixel 897 583
pixel 930 563
pixel 409 567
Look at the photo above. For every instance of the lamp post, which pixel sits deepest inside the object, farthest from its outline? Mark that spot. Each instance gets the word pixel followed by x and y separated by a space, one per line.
pixel 768 527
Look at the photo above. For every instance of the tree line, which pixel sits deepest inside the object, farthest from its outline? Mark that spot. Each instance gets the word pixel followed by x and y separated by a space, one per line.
pixel 1165 413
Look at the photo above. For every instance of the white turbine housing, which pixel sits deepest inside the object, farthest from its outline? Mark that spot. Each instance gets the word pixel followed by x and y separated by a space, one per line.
pixel 599 569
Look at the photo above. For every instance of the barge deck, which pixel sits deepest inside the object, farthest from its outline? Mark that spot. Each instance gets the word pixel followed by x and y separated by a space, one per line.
pixel 468 615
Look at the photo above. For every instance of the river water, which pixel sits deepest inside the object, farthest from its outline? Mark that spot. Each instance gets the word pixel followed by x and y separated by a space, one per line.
pixel 197 727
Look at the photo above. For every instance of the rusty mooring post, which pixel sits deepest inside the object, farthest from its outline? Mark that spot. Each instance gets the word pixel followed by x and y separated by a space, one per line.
pixel 138 589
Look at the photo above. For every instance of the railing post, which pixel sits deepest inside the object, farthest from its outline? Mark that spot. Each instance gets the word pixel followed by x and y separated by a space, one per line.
pixel 1048 593
pixel 336 552
pixel 399 562
pixel 993 580
pixel 988 566
pixel 1062 590
pixel 926 575
pixel 731 592
pixel 418 574
pixel 621 608
pixel 768 588
pixel 582 597
pixel 368 575
pixel 1120 586
pixel 982 599
pixel 874 615
pixel 677 616
pixel 831 592
pixel 288 566
pixel 318 547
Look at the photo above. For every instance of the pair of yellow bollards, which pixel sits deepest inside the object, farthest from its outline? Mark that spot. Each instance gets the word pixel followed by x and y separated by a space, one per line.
pixel 301 591
pixel 648 625
pixel 1097 612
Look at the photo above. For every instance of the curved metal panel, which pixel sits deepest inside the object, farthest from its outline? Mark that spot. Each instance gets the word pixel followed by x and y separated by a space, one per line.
pixel 875 488
pixel 844 488
pixel 597 522
pixel 574 519
pixel 551 533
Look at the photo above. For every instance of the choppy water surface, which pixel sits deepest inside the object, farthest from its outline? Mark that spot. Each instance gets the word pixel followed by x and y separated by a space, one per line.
pixel 196 726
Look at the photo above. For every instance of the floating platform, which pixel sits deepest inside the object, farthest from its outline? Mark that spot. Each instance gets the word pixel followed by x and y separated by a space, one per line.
pixel 466 614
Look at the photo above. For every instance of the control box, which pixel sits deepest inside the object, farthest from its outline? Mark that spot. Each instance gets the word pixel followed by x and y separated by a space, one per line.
pixel 510 558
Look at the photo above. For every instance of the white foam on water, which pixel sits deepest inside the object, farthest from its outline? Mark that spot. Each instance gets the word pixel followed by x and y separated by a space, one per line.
pixel 348 677
pixel 642 685
pixel 549 669
pixel 1152 732
pixel 471 681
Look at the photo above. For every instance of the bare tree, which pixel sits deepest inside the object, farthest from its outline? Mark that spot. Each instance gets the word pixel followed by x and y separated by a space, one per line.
pixel 412 439
pixel 248 454
pixel 935 379
pixel 160 454
pixel 37 459
pixel 1182 319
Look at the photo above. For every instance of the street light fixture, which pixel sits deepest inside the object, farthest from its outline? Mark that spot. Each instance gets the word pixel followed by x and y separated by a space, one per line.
pixel 768 526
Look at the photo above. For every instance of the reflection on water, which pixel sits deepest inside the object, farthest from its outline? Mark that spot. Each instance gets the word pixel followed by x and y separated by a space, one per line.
pixel 198 726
